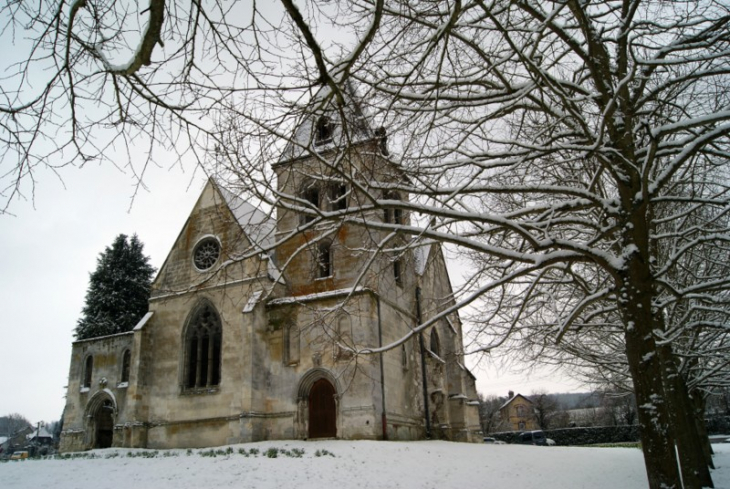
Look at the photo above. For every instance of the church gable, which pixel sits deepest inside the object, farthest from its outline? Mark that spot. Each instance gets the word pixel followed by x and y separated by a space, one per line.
pixel 221 241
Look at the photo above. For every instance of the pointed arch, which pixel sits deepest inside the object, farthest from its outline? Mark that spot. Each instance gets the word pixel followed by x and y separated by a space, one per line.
pixel 318 400
pixel 88 371
pixel 310 192
pixel 202 341
pixel 100 415
pixel 313 375
pixel 323 130
pixel 126 362
pixel 435 342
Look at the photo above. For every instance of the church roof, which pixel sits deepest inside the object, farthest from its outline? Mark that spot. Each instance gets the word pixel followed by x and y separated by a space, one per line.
pixel 420 255
pixel 355 128
pixel 257 224
pixel 40 433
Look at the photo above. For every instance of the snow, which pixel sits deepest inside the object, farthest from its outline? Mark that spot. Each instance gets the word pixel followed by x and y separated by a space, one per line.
pixel 317 296
pixel 252 301
pixel 355 464
pixel 420 255
pixel 143 321
pixel 258 225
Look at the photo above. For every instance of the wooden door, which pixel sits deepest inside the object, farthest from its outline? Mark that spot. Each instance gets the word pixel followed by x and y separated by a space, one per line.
pixel 322 410
pixel 104 425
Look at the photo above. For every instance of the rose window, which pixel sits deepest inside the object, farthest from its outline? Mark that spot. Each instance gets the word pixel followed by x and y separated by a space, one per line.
pixel 206 254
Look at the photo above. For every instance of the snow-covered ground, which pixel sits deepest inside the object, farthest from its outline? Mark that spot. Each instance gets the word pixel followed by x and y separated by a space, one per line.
pixel 355 464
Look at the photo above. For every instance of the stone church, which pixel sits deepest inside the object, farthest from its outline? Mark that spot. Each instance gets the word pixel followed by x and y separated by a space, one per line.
pixel 247 341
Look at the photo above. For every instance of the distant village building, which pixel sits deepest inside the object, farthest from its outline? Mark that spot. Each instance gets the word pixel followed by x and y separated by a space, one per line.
pixel 242 345
pixel 17 440
pixel 518 414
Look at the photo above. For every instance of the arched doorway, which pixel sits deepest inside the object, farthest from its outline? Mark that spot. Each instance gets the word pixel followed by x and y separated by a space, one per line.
pixel 104 425
pixel 322 410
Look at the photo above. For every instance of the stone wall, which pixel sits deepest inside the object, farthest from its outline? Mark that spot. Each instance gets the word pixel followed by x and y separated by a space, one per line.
pixel 105 384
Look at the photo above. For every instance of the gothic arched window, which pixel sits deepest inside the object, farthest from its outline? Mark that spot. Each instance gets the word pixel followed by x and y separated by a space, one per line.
pixel 126 359
pixel 324 260
pixel 398 271
pixel 88 369
pixel 337 196
pixel 323 131
pixel 203 349
pixel 392 215
pixel 310 193
pixel 435 344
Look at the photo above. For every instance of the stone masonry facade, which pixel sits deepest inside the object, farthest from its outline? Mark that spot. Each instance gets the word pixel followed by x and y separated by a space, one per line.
pixel 246 342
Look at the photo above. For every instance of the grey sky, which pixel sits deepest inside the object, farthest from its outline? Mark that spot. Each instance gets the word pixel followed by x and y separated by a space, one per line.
pixel 46 255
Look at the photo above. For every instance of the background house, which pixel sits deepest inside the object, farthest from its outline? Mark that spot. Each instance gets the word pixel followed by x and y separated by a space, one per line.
pixel 518 413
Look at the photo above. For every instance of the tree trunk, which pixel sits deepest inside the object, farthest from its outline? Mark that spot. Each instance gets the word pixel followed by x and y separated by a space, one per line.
pixel 695 469
pixel 698 402
pixel 657 438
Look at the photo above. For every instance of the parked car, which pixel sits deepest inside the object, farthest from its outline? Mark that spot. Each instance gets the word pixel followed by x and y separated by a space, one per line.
pixel 20 455
pixel 489 439
pixel 536 437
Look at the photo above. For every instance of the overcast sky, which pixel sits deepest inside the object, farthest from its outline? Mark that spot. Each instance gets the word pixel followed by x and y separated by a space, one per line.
pixel 46 255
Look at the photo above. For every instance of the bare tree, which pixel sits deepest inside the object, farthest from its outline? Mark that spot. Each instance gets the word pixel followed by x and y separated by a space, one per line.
pixel 489 413
pixel 554 141
pixel 546 408
pixel 12 423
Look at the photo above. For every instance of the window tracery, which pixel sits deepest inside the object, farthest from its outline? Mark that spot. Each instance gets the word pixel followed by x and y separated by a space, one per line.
pixel 206 253
pixel 203 349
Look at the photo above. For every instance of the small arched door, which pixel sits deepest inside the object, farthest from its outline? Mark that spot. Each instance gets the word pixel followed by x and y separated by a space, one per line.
pixel 104 425
pixel 322 410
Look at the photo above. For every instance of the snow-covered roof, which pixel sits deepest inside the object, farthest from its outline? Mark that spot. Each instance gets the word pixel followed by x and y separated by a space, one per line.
pixel 434 356
pixel 40 433
pixel 318 296
pixel 451 324
pixel 274 273
pixel 105 337
pixel 420 255
pixel 355 128
pixel 143 321
pixel 3 439
pixel 513 398
pixel 252 301
pixel 258 225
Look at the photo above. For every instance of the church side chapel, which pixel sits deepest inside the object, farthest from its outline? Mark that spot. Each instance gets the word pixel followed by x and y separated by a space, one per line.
pixel 255 322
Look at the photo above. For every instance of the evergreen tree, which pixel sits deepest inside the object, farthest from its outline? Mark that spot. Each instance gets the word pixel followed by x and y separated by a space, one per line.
pixel 118 290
